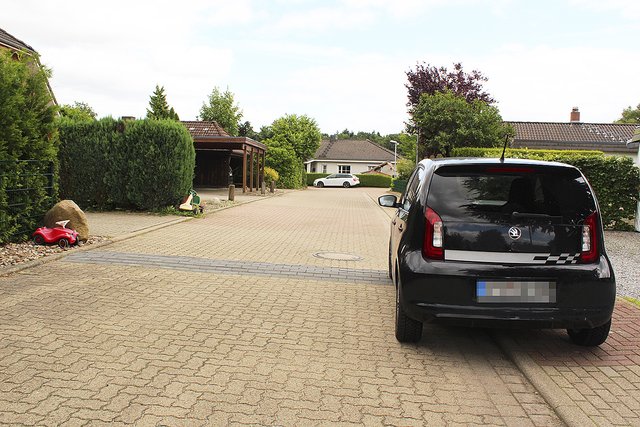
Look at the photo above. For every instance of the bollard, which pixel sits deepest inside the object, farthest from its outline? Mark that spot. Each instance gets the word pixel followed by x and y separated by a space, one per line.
pixel 272 187
pixel 232 193
pixel 262 188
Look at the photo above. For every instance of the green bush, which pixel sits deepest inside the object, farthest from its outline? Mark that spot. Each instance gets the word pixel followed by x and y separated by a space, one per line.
pixel 615 180
pixel 312 176
pixel 84 162
pixel 160 162
pixel 374 180
pixel 28 146
pixel 144 164
pixel 521 153
pixel 399 185
pixel 270 175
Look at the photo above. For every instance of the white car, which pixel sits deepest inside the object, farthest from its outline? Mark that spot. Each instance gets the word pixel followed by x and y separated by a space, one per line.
pixel 345 180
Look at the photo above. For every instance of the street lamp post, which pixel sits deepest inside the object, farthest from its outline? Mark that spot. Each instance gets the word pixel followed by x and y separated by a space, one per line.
pixel 395 157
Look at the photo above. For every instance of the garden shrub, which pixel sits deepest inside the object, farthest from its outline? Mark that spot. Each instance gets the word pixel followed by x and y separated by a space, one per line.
pixel 399 185
pixel 312 176
pixel 374 180
pixel 160 162
pixel 270 175
pixel 615 179
pixel 84 161
pixel 28 146
pixel 143 164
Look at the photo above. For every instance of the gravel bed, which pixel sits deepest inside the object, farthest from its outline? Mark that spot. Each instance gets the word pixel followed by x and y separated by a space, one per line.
pixel 623 248
pixel 17 253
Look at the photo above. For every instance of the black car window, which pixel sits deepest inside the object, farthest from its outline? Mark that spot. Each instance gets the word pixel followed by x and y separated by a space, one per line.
pixel 411 191
pixel 483 193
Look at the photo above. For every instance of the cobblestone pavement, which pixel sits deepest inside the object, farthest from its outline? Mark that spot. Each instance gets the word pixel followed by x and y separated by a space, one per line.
pixel 160 343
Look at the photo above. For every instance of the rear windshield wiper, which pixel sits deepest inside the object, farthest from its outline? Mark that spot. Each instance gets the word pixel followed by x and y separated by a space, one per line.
pixel 536 216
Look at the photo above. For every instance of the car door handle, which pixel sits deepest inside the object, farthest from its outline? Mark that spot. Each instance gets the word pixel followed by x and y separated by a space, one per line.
pixel 400 227
pixel 393 222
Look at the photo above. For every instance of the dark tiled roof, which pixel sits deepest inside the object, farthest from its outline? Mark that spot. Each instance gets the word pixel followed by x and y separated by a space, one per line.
pixel 573 136
pixel 200 129
pixel 353 149
pixel 8 40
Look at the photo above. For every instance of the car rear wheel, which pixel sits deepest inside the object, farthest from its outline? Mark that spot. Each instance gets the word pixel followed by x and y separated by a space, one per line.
pixel 590 337
pixel 320 184
pixel 407 329
pixel 38 239
pixel 346 184
pixel 63 243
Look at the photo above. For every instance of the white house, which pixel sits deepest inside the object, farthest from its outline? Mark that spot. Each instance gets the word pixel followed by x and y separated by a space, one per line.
pixel 354 156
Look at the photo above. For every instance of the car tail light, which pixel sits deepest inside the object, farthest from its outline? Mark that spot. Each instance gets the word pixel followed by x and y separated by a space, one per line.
pixel 589 251
pixel 433 236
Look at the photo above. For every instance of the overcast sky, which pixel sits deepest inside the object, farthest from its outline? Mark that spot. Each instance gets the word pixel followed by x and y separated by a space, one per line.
pixel 341 62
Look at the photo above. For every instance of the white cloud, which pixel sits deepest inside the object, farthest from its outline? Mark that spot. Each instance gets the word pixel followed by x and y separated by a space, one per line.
pixel 543 83
pixel 627 9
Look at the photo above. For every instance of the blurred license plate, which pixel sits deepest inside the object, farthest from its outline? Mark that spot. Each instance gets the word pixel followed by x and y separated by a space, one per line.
pixel 515 291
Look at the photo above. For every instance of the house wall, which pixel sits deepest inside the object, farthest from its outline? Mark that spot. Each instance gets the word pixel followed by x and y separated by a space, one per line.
pixel 357 167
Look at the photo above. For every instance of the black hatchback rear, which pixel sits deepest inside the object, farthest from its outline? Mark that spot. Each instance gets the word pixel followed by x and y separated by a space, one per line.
pixel 490 243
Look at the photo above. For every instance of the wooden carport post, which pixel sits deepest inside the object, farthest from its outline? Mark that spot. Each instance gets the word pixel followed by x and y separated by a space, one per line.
pixel 244 168
pixel 251 172
pixel 264 164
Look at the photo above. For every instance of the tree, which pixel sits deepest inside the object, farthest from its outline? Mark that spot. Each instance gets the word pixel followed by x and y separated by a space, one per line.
pixel 222 108
pixel 630 115
pixel 78 112
pixel 27 131
pixel 430 79
pixel 158 106
pixel 292 140
pixel 299 132
pixel 445 120
pixel 245 129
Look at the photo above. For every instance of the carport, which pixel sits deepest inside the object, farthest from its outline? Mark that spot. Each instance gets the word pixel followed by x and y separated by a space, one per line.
pixel 222 160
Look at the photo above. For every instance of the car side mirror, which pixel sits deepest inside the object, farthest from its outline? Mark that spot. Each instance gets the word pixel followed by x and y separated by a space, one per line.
pixel 388 200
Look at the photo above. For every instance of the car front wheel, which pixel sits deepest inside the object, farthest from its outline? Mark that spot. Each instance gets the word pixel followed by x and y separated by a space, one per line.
pixel 590 337
pixel 63 243
pixel 346 184
pixel 320 184
pixel 38 239
pixel 407 329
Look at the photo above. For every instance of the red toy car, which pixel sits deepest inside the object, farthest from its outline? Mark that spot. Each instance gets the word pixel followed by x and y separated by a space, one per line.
pixel 63 236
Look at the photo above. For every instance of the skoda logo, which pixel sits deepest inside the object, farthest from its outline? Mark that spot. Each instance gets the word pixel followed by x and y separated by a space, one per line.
pixel 515 233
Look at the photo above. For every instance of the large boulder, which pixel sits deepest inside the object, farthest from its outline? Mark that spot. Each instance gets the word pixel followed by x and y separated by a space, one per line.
pixel 67 209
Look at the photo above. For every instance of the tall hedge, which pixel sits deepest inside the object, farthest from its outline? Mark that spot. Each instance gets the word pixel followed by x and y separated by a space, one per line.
pixel 144 164
pixel 28 145
pixel 366 180
pixel 615 179
pixel 160 162
pixel 84 161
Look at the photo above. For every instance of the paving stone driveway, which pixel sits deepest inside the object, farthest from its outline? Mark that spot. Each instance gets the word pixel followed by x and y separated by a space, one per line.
pixel 153 331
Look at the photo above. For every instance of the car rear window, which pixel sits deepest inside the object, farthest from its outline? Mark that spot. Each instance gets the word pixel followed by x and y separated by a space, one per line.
pixel 482 193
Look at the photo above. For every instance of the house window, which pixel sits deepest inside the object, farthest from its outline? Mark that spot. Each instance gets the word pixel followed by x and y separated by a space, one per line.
pixel 344 168
pixel 324 168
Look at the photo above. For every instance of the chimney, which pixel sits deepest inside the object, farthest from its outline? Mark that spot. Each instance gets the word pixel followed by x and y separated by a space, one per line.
pixel 575 115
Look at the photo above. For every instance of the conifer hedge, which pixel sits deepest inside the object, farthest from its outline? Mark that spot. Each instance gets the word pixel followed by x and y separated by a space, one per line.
pixel 142 164
pixel 28 146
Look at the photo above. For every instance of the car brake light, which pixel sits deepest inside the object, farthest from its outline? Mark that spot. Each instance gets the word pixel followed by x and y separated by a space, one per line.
pixel 433 236
pixel 589 251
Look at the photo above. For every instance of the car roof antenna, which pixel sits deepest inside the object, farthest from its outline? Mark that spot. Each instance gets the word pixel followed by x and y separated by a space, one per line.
pixel 506 140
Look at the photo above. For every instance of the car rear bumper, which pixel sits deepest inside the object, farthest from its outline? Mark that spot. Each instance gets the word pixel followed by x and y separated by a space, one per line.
pixel 446 292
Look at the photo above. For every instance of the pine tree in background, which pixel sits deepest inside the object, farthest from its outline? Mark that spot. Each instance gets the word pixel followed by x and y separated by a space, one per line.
pixel 158 106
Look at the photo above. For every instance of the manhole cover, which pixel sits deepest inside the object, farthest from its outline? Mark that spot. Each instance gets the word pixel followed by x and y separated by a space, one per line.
pixel 337 256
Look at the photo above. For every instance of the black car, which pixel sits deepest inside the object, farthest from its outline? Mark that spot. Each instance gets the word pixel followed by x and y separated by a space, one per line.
pixel 486 242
